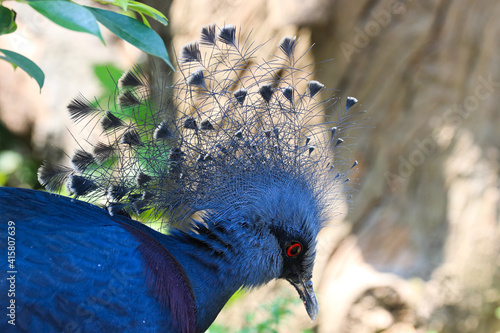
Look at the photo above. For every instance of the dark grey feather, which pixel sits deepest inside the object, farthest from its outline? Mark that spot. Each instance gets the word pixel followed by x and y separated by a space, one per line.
pixel 80 108
pixel 142 179
pixel 111 122
pixel 350 102
pixel 208 36
pixel 314 88
pixel 227 34
pixel 131 137
pixel 287 45
pixel 116 192
pixel 53 175
pixel 190 52
pixel 266 91
pixel 288 93
pixel 79 186
pixel 103 152
pixel 206 125
pixel 240 95
pixel 163 132
pixel 127 98
pixel 130 79
pixel 196 79
pixel 190 123
pixel 81 160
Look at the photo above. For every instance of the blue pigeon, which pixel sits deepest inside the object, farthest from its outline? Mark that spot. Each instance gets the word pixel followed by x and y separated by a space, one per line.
pixel 242 178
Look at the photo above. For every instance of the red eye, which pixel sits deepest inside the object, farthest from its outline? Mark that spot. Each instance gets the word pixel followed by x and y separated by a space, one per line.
pixel 294 249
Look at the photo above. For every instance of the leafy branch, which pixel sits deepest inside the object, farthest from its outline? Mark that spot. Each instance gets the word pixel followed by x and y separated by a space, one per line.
pixel 76 17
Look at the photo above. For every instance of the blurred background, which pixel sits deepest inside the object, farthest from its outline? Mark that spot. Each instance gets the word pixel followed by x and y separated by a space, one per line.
pixel 417 249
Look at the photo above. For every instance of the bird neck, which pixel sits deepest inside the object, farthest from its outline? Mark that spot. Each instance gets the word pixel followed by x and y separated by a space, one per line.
pixel 220 260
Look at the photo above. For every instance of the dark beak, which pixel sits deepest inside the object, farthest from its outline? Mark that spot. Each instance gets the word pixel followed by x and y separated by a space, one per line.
pixel 306 293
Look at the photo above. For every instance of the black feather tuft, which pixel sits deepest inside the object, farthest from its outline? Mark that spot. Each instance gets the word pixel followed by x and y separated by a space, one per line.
pixel 190 123
pixel 52 175
pixel 139 206
pixel 288 93
pixel 287 45
pixel 103 152
pixel 142 179
pixel 339 141
pixel 81 160
pixel 206 125
pixel 350 102
pixel 80 108
pixel 130 79
pixel 240 95
pixel 163 132
pixel 78 185
pixel 208 36
pixel 266 91
pixel 175 155
pixel 127 98
pixel 311 149
pixel 196 79
pixel 147 195
pixel 116 192
pixel 239 134
pixel 111 122
pixel 314 88
pixel 190 52
pixel 115 209
pixel 131 137
pixel 227 34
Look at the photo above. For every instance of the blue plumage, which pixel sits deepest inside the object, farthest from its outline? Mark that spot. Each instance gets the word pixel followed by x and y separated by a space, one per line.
pixel 240 178
pixel 77 268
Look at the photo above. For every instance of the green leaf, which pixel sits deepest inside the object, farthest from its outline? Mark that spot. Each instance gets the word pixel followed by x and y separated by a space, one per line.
pixel 7 20
pixel 147 10
pixel 145 20
pixel 68 15
pixel 123 4
pixel 134 32
pixel 25 64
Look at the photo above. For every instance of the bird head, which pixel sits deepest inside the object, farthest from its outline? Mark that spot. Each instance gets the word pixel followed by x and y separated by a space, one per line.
pixel 271 228
pixel 295 227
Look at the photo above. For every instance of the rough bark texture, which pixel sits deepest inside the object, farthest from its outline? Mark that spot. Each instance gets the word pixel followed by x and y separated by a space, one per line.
pixel 419 248
pixel 428 206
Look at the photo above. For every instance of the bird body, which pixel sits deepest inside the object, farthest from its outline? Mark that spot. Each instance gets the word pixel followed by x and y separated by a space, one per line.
pixel 78 269
pixel 242 184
